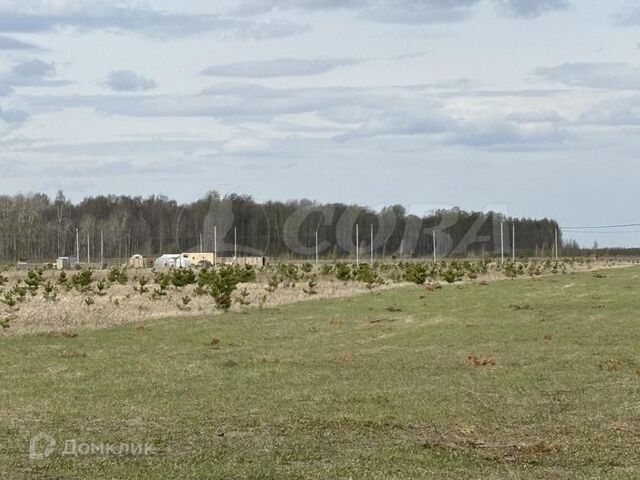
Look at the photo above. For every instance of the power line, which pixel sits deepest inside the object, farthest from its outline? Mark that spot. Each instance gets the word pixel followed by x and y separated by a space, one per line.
pixel 602 227
pixel 601 232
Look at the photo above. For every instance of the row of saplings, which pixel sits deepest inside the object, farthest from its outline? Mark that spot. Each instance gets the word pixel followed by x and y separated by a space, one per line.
pixel 221 282
pixel 445 271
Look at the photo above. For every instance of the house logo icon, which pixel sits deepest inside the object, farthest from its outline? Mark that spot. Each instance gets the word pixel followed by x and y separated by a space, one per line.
pixel 41 446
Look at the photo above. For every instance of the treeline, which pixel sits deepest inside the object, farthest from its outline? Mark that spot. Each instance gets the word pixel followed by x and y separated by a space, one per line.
pixel 36 227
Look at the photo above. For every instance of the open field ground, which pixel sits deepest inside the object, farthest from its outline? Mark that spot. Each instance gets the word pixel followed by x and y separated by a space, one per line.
pixel 536 378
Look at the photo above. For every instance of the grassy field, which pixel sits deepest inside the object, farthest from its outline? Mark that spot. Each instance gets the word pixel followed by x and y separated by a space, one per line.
pixel 533 378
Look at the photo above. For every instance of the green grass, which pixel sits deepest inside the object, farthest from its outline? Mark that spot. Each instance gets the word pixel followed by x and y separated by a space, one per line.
pixel 376 386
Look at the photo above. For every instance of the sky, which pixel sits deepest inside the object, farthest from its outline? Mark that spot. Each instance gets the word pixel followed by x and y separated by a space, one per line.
pixel 528 107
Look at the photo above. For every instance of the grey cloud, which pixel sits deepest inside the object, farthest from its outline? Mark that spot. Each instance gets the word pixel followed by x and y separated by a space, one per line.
pixel 282 67
pixel 5 90
pixel 263 6
pixel 616 112
pixel 142 20
pixel 522 93
pixel 407 11
pixel 141 147
pixel 504 134
pixel 346 114
pixel 231 102
pixel 536 116
pixel 628 18
pixel 384 11
pixel 8 43
pixel 531 8
pixel 13 116
pixel 10 120
pixel 128 81
pixel 614 76
pixel 31 73
pixel 33 69
pixel 419 11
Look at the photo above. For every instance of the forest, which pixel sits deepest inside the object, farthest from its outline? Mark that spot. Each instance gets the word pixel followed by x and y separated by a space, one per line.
pixel 36 227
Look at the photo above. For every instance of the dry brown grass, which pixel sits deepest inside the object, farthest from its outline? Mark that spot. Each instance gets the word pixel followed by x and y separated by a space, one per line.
pixel 123 305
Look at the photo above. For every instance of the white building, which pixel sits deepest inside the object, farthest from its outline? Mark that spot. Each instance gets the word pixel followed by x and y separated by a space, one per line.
pixel 172 260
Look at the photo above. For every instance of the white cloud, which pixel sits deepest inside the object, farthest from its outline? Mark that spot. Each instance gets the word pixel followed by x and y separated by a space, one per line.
pixel 246 145
pixel 354 114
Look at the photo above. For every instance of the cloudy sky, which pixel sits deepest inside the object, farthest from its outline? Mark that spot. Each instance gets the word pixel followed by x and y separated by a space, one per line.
pixel 530 106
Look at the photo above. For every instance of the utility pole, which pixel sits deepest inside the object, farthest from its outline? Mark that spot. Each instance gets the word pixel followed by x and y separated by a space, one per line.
pixel 513 242
pixel 435 249
pixel 357 245
pixel 556 242
pixel 502 240
pixel 372 244
pixel 318 242
pixel 77 245
pixel 215 245
pixel 317 249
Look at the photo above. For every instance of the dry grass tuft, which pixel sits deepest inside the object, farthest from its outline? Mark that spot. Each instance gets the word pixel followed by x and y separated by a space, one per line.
pixel 520 307
pixel 478 361
pixel 610 365
pixel 344 357
pixel 274 359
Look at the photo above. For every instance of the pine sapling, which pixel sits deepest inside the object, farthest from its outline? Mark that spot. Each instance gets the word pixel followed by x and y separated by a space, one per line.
pixel 243 298
pixel 310 289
